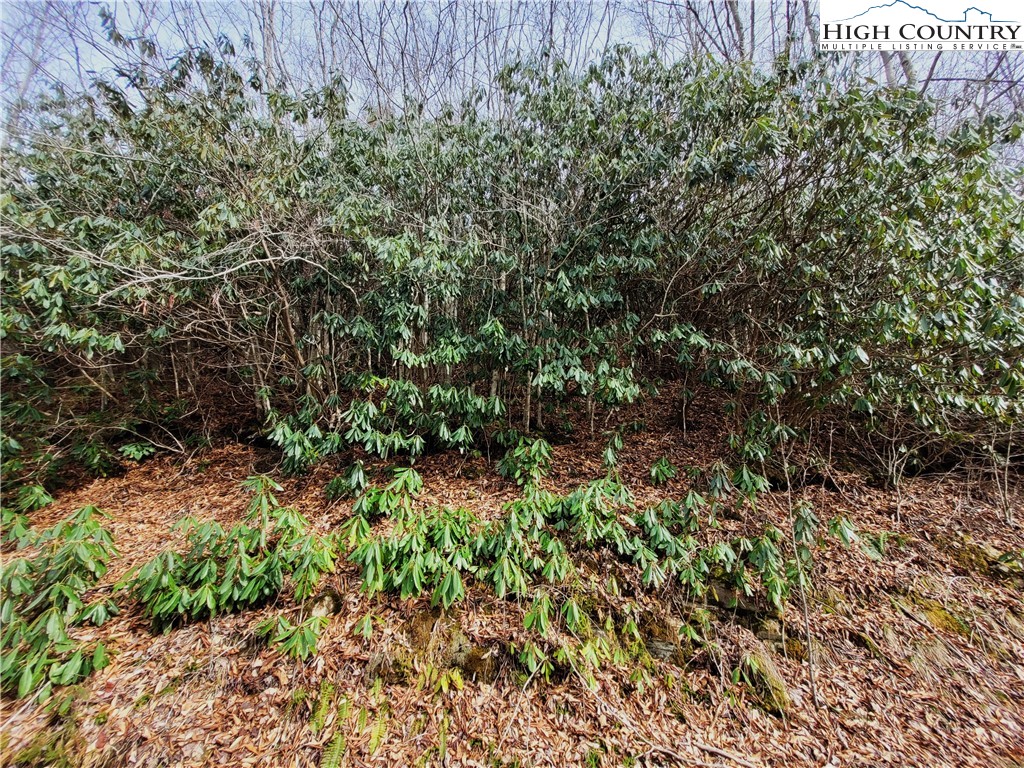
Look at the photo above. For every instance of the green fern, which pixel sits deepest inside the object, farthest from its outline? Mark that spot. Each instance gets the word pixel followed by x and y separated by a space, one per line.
pixel 344 709
pixel 323 705
pixel 331 757
pixel 378 731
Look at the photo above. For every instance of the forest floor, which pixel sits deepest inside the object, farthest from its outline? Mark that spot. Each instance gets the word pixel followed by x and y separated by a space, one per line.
pixel 917 657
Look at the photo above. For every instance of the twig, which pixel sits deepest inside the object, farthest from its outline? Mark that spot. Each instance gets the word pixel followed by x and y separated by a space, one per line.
pixel 680 758
pixel 519 703
pixel 623 718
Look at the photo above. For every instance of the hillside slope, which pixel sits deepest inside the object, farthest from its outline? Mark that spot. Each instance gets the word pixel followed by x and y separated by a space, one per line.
pixel 917 657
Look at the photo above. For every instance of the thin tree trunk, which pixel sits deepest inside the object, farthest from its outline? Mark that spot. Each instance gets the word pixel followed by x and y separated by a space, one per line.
pixel 890 74
pixel 908 69
pixel 526 407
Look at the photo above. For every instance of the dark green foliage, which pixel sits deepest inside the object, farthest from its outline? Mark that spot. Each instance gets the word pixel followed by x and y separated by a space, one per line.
pixel 46 595
pixel 297 640
pixel 426 552
pixel 137 451
pixel 410 283
pixel 15 527
pixel 527 462
pixel 31 497
pixel 352 483
pixel 662 471
pixel 814 255
pixel 223 571
pixel 436 550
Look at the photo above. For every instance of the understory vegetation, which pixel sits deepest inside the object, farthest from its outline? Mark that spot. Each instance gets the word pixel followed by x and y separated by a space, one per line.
pixel 405 283
pixel 187 251
pixel 418 551
pixel 45 595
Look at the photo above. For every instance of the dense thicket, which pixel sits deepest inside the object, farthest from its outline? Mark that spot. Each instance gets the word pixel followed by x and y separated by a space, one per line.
pixel 405 283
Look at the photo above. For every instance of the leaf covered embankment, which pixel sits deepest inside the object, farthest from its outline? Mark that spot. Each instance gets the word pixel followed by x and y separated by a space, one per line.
pixel 916 651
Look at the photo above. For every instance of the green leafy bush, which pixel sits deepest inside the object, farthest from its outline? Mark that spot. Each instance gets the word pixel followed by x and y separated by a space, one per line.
pixel 225 570
pixel 527 462
pixel 137 451
pixel 297 640
pixel 352 483
pixel 662 471
pixel 432 315
pixel 44 596
pixel 436 550
pixel 426 552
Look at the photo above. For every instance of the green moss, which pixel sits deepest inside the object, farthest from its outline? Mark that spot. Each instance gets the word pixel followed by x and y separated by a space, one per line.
pixel 480 664
pixel 966 555
pixel 833 601
pixel 942 619
pixel 457 647
pixel 420 629
pixel 170 688
pixel 438 639
pixel 981 558
pixel 795 649
pixel 765 680
pixel 495 760
pixel 676 710
pixel 937 615
pixel 392 665
pixel 54 747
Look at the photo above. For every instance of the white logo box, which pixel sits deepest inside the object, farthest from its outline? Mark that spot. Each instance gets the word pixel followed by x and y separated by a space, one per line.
pixel 928 25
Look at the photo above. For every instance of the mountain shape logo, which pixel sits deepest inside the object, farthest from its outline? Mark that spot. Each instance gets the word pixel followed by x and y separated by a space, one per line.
pixel 972 14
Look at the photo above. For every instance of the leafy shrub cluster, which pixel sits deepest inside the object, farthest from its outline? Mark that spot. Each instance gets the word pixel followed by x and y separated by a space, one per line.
pixel 408 281
pixel 434 550
pixel 352 483
pixel 298 640
pixel 529 553
pixel 426 552
pixel 224 571
pixel 416 551
pixel 44 596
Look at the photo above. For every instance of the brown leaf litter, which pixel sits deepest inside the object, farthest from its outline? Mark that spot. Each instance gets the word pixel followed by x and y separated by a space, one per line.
pixel 919 657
